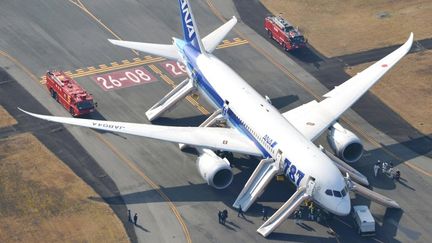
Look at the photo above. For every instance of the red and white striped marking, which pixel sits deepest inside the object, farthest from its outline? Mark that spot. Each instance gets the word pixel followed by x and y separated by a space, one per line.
pixel 124 78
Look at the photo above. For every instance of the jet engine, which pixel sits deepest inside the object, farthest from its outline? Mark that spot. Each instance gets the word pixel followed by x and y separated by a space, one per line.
pixel 344 143
pixel 214 170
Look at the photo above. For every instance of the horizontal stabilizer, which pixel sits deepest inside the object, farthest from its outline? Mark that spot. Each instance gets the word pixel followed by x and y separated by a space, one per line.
pixel 212 40
pixel 167 51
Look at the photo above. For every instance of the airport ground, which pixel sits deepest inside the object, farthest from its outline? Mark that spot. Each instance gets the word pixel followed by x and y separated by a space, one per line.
pixel 155 179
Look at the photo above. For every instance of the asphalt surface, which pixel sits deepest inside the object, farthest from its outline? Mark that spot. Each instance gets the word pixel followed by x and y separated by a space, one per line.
pixel 58 140
pixel 155 179
pixel 330 72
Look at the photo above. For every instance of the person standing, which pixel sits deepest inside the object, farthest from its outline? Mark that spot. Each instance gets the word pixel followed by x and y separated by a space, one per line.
pixel 311 211
pixel 264 212
pixel 376 168
pixel 296 216
pixel 135 218
pixel 224 216
pixel 129 216
pixel 220 217
pixel 240 212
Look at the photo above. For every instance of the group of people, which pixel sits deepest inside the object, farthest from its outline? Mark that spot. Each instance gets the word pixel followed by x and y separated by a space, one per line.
pixel 387 169
pixel 313 213
pixel 223 215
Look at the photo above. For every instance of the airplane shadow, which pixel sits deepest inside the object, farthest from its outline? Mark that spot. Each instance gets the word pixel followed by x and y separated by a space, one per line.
pixel 187 193
pixel 284 101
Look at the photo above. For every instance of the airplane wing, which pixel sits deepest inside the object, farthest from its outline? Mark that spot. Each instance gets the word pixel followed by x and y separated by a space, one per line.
pixel 314 117
pixel 206 137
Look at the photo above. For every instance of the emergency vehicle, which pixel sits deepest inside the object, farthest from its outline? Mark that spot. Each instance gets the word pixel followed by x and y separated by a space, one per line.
pixel 284 33
pixel 69 93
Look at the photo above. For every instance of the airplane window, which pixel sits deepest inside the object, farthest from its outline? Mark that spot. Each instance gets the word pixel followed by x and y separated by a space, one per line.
pixel 343 192
pixel 337 193
pixel 329 192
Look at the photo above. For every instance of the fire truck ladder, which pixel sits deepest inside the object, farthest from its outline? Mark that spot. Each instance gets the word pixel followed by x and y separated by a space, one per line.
pixel 302 194
pixel 169 100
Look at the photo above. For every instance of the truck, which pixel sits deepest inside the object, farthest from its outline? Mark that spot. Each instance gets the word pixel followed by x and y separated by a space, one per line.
pixel 364 221
pixel 69 93
pixel 280 30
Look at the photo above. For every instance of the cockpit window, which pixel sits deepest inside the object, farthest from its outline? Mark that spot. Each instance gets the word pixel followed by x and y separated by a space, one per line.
pixel 329 192
pixel 337 193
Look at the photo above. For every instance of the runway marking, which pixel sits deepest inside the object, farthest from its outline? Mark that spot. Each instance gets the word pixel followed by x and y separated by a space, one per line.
pixel 80 5
pixel 176 69
pixel 124 78
pixel 113 66
pixel 306 88
pixel 121 156
pixel 138 170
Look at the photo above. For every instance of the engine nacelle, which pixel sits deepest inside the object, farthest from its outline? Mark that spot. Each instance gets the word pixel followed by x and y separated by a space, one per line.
pixel 214 170
pixel 345 144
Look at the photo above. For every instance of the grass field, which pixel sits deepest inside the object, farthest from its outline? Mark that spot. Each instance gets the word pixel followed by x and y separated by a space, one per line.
pixel 407 88
pixel 336 27
pixel 6 119
pixel 42 200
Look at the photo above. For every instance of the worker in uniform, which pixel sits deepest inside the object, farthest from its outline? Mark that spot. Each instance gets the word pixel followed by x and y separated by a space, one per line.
pixel 376 168
pixel 135 218
pixel 240 212
pixel 264 212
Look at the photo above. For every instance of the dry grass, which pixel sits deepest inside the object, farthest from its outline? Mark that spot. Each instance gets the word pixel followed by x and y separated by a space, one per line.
pixel 407 89
pixel 6 119
pixel 42 200
pixel 336 27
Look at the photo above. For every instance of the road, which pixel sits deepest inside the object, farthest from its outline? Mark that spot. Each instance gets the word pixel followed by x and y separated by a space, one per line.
pixel 155 179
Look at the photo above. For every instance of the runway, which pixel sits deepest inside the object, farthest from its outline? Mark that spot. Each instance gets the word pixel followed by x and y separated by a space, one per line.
pixel 154 178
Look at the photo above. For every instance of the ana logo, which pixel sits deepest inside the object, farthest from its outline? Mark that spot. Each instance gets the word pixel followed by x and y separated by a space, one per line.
pixel 187 18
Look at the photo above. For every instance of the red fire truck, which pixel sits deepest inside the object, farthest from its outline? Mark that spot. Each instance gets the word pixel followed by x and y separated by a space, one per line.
pixel 284 33
pixel 69 93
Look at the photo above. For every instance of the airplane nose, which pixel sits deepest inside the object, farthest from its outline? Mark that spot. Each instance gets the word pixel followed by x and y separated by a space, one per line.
pixel 344 207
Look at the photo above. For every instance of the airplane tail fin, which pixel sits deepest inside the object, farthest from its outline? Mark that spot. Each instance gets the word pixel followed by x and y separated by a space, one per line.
pixel 190 30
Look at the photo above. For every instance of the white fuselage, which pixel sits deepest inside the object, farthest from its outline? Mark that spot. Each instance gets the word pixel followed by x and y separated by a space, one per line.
pixel 249 112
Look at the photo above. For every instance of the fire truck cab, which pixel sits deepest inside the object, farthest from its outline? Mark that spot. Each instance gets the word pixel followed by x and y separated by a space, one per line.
pixel 284 33
pixel 69 93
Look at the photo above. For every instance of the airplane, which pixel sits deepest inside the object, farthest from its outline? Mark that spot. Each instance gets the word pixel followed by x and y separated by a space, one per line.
pixel 255 127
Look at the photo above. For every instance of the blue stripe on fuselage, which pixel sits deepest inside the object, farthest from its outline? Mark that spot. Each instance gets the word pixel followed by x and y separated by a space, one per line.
pixel 191 55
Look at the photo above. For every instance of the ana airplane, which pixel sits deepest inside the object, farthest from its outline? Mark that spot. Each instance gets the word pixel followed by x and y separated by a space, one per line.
pixel 255 127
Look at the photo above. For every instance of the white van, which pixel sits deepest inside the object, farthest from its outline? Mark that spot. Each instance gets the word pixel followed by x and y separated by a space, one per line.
pixel 364 220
